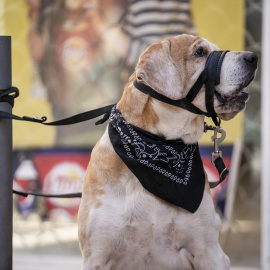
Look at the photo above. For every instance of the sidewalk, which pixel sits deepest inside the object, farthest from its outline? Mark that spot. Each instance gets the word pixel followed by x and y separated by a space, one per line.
pixel 59 262
pixel 45 262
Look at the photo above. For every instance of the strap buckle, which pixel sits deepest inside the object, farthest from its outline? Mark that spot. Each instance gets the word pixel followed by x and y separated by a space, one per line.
pixel 208 127
pixel 35 119
pixel 224 173
pixel 215 155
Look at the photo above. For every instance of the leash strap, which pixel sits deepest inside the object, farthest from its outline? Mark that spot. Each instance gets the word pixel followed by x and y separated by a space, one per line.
pixel 67 121
pixel 10 94
pixel 69 195
pixel 222 170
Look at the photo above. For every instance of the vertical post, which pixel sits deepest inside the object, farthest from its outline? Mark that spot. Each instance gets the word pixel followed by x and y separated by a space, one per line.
pixel 5 159
pixel 265 146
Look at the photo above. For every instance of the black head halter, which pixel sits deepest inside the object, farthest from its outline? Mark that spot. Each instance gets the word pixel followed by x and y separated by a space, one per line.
pixel 210 77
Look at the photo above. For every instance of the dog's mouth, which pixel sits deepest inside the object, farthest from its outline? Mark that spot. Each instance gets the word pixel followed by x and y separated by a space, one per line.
pixel 238 95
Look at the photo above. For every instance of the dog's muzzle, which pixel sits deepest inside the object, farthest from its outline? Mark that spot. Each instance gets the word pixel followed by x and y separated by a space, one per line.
pixel 210 77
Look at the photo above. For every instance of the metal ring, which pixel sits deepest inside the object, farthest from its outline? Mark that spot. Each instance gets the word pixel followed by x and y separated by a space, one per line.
pixel 226 169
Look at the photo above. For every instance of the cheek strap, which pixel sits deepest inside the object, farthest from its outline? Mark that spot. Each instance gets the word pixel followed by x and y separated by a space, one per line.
pixel 184 103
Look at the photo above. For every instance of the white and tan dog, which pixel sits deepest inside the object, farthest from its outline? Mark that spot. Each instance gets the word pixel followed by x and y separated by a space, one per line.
pixel 121 225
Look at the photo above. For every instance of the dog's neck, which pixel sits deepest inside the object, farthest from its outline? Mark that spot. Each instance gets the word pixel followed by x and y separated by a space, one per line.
pixel 160 118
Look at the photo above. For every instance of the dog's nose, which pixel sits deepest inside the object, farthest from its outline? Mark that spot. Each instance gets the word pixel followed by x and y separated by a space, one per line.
pixel 251 58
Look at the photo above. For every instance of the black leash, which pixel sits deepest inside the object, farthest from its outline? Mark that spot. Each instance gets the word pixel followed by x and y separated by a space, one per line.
pixel 222 170
pixel 68 195
pixel 67 121
pixel 10 94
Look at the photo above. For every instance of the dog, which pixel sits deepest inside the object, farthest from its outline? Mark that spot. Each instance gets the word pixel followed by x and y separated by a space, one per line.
pixel 123 226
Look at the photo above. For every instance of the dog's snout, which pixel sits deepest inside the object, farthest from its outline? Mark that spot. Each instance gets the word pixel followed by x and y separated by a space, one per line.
pixel 251 59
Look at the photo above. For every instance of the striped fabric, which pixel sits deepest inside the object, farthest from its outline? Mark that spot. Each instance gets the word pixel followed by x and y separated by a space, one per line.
pixel 148 21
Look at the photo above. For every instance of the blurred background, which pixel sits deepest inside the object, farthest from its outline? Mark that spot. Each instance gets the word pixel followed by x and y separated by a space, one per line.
pixel 71 56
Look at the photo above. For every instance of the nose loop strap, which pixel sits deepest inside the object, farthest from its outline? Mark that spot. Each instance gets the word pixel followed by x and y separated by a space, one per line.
pixel 213 70
pixel 220 61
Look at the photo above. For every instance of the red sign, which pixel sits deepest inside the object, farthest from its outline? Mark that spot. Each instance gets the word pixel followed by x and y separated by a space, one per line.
pixel 61 173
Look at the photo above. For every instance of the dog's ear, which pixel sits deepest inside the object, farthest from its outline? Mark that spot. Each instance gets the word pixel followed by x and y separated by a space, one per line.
pixel 156 68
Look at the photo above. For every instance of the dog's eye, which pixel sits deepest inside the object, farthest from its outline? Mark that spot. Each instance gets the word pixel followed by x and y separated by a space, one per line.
pixel 200 52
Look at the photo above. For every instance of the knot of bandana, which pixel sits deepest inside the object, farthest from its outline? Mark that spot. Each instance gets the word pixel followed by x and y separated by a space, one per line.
pixel 169 169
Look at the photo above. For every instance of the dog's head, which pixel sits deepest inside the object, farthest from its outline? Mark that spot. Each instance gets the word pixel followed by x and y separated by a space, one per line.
pixel 173 65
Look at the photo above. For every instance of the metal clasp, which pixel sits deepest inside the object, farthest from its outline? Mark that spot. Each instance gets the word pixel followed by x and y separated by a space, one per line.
pixel 35 119
pixel 40 119
pixel 217 141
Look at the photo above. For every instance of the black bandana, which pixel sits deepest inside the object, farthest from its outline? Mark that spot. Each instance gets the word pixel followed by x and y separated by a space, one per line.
pixel 169 169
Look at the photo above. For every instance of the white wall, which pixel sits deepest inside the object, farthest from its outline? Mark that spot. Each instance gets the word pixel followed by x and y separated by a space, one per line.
pixel 265 143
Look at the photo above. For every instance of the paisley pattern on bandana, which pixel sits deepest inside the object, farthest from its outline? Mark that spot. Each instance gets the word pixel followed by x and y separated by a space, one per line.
pixel 169 169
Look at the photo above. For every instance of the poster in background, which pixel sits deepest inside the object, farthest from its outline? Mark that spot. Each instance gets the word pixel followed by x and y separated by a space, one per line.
pixel 118 30
pixel 70 56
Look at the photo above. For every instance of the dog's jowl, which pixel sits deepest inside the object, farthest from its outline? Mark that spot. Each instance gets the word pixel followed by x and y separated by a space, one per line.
pixel 146 202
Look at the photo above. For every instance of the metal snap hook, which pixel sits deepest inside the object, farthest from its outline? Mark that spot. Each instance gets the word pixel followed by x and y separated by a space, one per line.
pixel 217 141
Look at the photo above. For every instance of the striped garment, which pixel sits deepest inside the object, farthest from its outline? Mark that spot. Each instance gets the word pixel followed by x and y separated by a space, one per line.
pixel 148 21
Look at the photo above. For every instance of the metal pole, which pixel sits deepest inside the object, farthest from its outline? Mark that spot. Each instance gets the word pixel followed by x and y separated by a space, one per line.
pixel 265 146
pixel 5 159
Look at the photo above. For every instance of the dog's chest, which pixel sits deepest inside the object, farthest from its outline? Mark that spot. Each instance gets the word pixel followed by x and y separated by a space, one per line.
pixel 141 229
